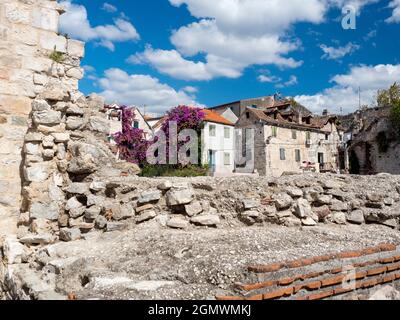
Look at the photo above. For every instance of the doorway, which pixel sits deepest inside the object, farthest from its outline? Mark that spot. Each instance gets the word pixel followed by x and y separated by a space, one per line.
pixel 211 160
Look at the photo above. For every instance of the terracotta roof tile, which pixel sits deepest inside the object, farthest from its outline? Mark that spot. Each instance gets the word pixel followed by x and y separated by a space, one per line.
pixel 212 116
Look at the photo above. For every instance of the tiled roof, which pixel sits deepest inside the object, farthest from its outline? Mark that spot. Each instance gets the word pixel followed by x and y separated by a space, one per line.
pixel 316 123
pixel 212 116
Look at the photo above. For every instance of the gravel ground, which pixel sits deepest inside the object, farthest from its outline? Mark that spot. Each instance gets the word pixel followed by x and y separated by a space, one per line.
pixel 151 262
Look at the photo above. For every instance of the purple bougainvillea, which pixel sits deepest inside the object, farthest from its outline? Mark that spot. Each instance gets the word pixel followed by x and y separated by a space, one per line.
pixel 185 118
pixel 131 142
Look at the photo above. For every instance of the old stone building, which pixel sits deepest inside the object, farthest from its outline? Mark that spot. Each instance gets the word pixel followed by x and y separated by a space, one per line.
pixel 372 142
pixel 287 141
pixel 34 61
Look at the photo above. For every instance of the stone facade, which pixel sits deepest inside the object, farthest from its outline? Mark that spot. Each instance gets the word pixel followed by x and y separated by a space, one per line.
pixel 28 37
pixel 366 154
pixel 283 147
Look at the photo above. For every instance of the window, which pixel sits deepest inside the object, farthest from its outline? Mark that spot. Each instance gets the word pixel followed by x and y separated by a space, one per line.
pixel 227 132
pixel 213 130
pixel 298 155
pixel 274 132
pixel 294 134
pixel 282 153
pixel 136 124
pixel 308 135
pixel 227 159
pixel 327 137
pixel 248 115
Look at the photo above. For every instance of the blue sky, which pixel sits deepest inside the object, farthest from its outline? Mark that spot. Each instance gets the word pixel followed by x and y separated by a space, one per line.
pixel 161 53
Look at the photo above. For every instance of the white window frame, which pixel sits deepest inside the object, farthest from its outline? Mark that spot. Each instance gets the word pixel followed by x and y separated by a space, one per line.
pixel 212 129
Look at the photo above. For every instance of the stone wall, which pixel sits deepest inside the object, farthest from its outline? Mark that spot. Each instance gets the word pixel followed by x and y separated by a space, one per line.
pixel 28 36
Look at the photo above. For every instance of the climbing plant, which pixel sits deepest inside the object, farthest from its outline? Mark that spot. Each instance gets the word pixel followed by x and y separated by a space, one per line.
pixel 131 142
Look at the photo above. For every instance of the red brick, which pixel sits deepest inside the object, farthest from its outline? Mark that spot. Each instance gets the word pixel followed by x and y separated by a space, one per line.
pixel 336 270
pixel 361 275
pixel 393 267
pixel 332 281
pixel 343 290
pixel 396 258
pixel 258 297
pixel 278 294
pixel 312 275
pixel 312 285
pixel 324 258
pixel 266 268
pixel 376 271
pixel 386 260
pixel 349 254
pixel 389 278
pixel 287 281
pixel 255 286
pixel 369 283
pixel 321 295
pixel 369 251
pixel 387 247
pixel 294 264
pixel 306 262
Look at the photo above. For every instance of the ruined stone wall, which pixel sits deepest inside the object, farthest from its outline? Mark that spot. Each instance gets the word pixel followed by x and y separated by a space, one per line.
pixel 28 36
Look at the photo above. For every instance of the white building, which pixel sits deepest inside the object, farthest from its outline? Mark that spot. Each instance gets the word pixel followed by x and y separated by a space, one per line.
pixel 218 144
pixel 114 115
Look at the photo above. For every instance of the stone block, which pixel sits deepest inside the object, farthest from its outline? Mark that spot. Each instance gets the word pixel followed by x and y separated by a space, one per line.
pixel 50 41
pixel 46 19
pixel 76 48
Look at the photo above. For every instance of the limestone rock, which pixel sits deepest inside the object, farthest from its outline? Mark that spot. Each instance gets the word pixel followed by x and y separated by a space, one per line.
pixel 283 201
pixel 46 117
pixel 385 293
pixel 101 222
pixel 13 250
pixel 95 101
pixel 75 123
pixel 92 213
pixel 49 211
pixel 73 203
pixel 165 185
pixel 70 234
pixel 77 188
pixel 145 216
pixel 40 105
pixel 206 220
pixel 149 197
pixel 61 137
pixel 98 186
pixel 308 222
pixel 37 239
pixel 356 217
pixel 193 209
pixel 99 124
pixel 178 223
pixel 116 226
pixel 250 203
pixel 339 217
pixel 36 172
pixel 294 192
pixel 176 197
pixel 303 209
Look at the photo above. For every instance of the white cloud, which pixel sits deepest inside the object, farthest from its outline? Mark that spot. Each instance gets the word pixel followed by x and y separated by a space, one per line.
pixel 395 18
pixel 291 82
pixel 76 24
pixel 136 89
pixel 344 93
pixel 109 7
pixel 268 78
pixel 332 53
pixel 232 35
pixel 190 89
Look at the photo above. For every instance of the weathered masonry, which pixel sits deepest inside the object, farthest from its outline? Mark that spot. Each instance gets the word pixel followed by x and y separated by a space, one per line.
pixel 34 60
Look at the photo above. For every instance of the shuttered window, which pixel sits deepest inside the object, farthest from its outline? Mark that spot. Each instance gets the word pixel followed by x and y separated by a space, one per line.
pixel 282 154
pixel 298 155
